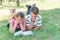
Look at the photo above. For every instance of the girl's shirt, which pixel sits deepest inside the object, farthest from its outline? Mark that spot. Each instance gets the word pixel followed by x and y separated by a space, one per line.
pixel 12 21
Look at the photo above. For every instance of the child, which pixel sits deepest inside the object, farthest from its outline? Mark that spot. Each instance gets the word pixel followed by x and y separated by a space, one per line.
pixel 33 20
pixel 12 12
pixel 17 22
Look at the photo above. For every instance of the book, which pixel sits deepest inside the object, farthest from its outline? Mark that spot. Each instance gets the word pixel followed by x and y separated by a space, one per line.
pixel 24 33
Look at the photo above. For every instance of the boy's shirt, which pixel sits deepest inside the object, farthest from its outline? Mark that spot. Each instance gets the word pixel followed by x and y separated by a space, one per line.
pixel 38 21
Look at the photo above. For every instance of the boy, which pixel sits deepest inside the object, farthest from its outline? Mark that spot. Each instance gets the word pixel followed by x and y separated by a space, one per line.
pixel 33 20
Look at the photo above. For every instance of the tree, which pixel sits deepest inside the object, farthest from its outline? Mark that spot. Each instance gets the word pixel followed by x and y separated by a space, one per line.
pixel 18 3
pixel 1 2
pixel 5 2
pixel 42 1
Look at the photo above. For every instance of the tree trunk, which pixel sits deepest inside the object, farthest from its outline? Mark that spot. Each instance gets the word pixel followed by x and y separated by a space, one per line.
pixel 18 3
pixel 1 2
pixel 5 2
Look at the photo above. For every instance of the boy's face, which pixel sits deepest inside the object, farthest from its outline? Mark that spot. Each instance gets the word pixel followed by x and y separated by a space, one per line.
pixel 33 15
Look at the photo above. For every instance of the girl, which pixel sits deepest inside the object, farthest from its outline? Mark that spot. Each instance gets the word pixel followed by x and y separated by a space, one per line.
pixel 17 22
pixel 12 12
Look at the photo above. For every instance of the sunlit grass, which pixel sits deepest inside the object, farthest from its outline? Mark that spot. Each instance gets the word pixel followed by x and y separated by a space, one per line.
pixel 50 29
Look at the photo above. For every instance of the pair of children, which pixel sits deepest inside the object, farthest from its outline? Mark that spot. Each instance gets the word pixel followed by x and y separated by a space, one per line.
pixel 30 22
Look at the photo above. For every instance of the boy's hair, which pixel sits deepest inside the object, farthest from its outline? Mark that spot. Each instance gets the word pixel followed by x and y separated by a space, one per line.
pixel 21 14
pixel 35 10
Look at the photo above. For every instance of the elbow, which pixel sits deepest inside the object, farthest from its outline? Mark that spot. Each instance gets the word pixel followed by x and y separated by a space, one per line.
pixel 37 28
pixel 11 30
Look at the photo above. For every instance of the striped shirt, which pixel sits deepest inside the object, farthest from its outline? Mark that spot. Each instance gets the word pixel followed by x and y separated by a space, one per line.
pixel 38 21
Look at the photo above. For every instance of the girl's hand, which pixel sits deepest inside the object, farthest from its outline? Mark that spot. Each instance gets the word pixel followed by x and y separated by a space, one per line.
pixel 22 27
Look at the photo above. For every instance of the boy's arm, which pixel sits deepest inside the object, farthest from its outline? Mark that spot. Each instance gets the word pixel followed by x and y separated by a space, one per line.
pixel 38 25
pixel 36 28
pixel 24 25
pixel 30 27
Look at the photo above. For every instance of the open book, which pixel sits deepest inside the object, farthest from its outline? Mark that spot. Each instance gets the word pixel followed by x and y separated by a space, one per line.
pixel 24 33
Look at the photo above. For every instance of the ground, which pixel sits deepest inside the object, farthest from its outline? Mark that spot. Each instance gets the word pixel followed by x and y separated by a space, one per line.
pixel 50 29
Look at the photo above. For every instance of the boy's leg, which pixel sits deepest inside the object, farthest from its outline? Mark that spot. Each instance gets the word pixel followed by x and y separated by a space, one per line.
pixel 29 7
pixel 28 10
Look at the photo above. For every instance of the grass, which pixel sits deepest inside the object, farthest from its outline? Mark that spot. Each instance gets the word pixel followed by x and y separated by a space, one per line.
pixel 50 29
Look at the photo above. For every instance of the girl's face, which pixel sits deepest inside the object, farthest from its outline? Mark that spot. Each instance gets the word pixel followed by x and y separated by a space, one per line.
pixel 19 18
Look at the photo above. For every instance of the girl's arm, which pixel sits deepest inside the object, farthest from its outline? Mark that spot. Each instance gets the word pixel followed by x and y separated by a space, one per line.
pixel 23 26
pixel 12 26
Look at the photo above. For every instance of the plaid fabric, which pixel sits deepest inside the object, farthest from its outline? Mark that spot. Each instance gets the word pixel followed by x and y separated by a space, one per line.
pixel 38 21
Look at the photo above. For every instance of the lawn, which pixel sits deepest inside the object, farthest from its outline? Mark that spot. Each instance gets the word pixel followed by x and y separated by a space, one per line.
pixel 50 29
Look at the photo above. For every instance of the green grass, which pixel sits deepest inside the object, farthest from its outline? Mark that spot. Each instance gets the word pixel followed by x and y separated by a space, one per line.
pixel 50 29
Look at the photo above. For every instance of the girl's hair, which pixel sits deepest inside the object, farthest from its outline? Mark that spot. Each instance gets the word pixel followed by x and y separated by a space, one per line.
pixel 21 14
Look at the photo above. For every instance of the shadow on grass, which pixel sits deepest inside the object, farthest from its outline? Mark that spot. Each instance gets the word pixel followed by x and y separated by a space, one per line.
pixel 49 30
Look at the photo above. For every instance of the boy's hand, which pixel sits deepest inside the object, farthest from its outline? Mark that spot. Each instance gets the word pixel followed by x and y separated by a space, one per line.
pixel 33 19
